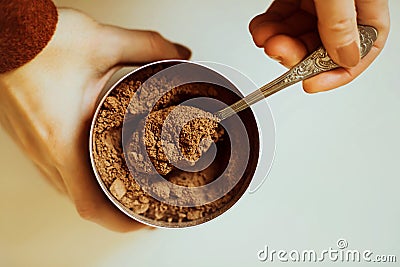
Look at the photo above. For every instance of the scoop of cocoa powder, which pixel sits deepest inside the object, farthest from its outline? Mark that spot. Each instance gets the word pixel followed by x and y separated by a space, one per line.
pixel 172 135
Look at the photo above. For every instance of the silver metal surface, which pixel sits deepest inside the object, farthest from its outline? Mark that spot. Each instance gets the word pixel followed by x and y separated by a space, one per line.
pixel 317 62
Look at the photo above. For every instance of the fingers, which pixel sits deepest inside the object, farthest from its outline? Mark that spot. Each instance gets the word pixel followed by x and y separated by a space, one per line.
pixel 137 47
pixel 338 77
pixel 374 13
pixel 337 25
pixel 265 30
pixel 286 31
pixel 278 11
pixel 286 50
pixel 289 35
pixel 264 26
pixel 92 204
pixel 83 189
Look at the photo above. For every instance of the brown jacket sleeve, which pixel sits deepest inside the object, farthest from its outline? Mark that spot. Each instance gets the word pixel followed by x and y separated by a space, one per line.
pixel 26 26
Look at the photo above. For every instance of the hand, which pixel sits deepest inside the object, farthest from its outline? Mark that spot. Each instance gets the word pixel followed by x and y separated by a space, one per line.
pixel 291 29
pixel 47 104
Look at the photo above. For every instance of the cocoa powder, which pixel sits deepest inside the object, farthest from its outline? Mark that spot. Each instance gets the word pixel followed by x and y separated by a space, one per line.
pixel 184 139
pixel 126 102
pixel 110 159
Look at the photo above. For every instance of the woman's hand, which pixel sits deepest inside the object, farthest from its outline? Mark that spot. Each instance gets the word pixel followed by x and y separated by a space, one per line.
pixel 291 29
pixel 47 104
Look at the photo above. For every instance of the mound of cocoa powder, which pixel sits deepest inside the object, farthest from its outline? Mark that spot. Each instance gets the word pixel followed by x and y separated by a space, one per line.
pixel 110 161
pixel 183 137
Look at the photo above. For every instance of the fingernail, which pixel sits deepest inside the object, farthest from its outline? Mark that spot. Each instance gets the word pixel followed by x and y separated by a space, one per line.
pixel 277 58
pixel 349 55
pixel 183 51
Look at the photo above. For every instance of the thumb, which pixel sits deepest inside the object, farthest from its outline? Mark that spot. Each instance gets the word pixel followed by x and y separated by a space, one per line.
pixel 337 25
pixel 136 46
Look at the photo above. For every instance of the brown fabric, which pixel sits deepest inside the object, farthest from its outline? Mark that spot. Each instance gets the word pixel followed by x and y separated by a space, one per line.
pixel 26 26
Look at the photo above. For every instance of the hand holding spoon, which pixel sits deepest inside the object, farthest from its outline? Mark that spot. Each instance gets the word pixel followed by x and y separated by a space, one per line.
pixel 317 62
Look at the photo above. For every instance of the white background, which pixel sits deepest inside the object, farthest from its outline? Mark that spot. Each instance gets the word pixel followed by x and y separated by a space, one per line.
pixel 336 172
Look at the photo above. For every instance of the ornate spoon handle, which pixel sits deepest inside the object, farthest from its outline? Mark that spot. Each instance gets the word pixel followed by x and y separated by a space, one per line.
pixel 315 63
